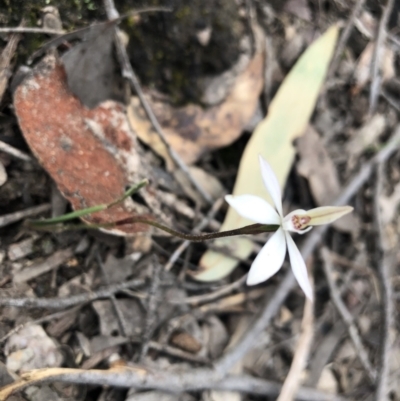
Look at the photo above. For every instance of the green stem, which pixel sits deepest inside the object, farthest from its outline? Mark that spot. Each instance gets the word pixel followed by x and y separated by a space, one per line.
pixel 83 212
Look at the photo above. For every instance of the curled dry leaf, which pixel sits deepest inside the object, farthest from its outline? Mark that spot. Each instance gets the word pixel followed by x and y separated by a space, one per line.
pixel 192 130
pixel 91 154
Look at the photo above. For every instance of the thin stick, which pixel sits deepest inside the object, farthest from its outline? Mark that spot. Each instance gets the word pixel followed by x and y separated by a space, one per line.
pixel 347 317
pixel 293 379
pixel 129 74
pixel 385 269
pixel 6 148
pixel 120 317
pixel 16 216
pixel 46 31
pixel 67 302
pixel 203 224
pixel 344 37
pixel 271 308
pixel 377 57
pixel 151 310
pixel 212 296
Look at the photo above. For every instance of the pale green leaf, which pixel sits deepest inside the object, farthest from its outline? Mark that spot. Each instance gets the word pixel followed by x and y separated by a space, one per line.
pixel 288 116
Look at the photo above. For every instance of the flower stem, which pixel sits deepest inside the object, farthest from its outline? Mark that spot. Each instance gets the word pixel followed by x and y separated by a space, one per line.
pixel 247 230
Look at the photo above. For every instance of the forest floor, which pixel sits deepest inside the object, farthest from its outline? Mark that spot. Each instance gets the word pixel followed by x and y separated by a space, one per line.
pixel 96 98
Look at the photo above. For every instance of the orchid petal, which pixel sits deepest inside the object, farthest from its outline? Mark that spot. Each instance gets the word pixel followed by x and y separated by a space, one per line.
pixel 254 208
pixel 327 214
pixel 299 267
pixel 271 183
pixel 269 260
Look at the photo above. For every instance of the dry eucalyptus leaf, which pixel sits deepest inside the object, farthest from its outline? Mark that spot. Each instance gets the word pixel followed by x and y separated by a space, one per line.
pixel 91 154
pixel 316 165
pixel 192 130
pixel 31 348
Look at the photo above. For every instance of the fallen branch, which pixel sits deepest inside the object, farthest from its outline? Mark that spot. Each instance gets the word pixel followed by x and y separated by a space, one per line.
pixel 171 382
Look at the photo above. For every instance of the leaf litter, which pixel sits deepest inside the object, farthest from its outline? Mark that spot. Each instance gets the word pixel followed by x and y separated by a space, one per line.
pixel 87 133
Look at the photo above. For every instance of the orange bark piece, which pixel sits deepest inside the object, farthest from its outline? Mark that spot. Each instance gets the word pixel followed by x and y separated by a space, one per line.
pixel 91 154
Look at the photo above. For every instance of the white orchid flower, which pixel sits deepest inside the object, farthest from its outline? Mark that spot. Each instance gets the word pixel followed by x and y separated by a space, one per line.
pixel 271 257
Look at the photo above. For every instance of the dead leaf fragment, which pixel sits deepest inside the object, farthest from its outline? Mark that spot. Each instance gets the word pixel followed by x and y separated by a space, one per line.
pixel 327 381
pixel 91 154
pixel 91 68
pixel 131 312
pixel 191 130
pixel 31 348
pixel 3 174
pixel 186 342
pixel 362 72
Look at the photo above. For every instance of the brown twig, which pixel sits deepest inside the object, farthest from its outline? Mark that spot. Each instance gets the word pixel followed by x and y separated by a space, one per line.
pixel 151 310
pixel 385 269
pixel 347 317
pixel 271 308
pixel 377 57
pixel 129 74
pixel 67 302
pixel 201 226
